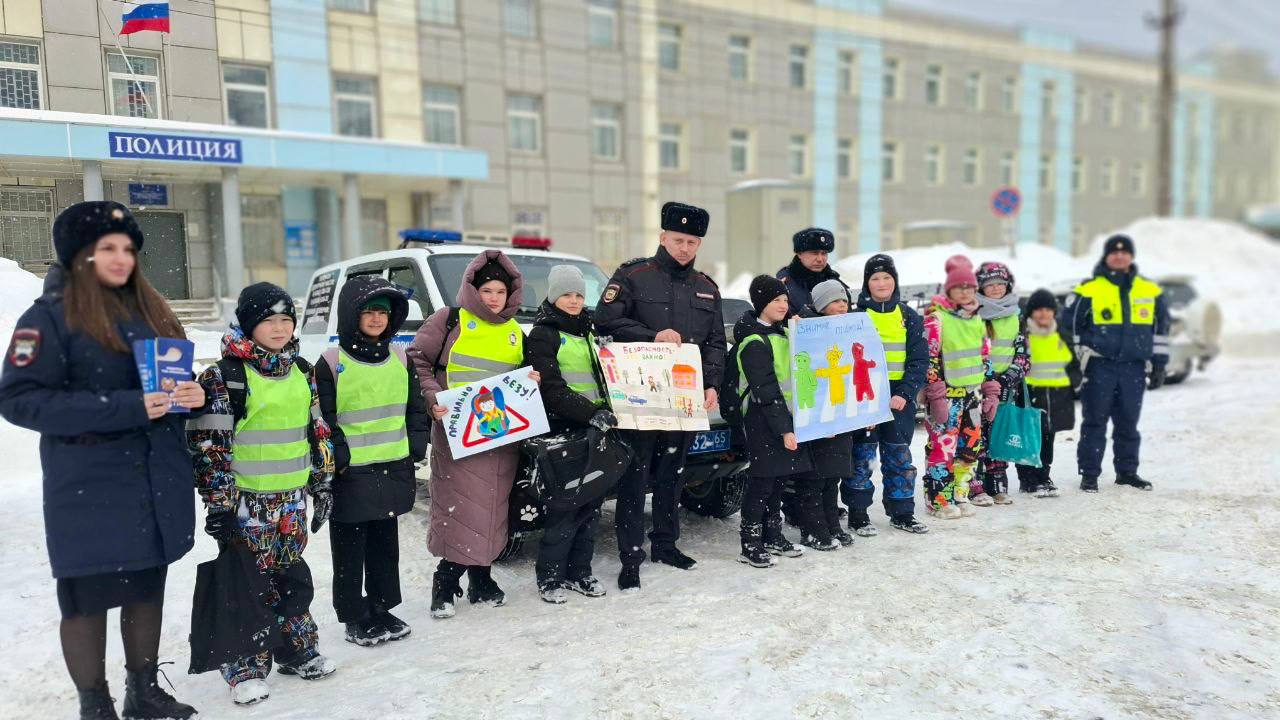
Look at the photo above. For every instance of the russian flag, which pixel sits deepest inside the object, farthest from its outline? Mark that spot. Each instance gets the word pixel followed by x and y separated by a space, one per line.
pixel 145 16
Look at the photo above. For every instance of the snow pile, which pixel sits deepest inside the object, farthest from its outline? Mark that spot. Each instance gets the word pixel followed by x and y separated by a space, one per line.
pixel 739 287
pixel 18 289
pixel 1035 265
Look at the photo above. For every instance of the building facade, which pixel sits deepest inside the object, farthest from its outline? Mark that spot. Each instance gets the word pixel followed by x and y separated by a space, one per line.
pixel 895 127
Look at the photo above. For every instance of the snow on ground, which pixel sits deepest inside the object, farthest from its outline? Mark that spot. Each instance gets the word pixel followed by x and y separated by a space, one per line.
pixel 1117 605
pixel 18 288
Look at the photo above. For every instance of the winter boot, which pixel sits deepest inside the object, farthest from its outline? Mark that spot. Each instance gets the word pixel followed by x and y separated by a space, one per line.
pixel 367 632
pixel 1002 499
pixel 1089 483
pixel 981 500
pixel 777 543
pixel 144 700
pixel 481 588
pixel 313 669
pixel 444 588
pixel 966 509
pixel 753 552
pixel 817 544
pixel 96 703
pixel 1132 480
pixel 553 593
pixel 860 523
pixel 588 586
pixel 673 557
pixel 629 578
pixel 948 511
pixel 250 692
pixel 908 523
pixel 1047 489
pixel 844 538
pixel 1026 485
pixel 396 628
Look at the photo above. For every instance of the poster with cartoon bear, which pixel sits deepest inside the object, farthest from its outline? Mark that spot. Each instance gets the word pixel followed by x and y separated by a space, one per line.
pixel 655 386
pixel 493 412
pixel 839 377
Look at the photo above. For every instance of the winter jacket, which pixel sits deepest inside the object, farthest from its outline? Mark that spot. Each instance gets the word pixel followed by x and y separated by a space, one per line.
pixel 648 295
pixel 767 418
pixel 915 373
pixel 565 408
pixel 933 338
pixel 800 282
pixel 379 490
pixel 117 486
pixel 1058 402
pixel 1011 378
pixel 211 438
pixel 1136 328
pixel 469 497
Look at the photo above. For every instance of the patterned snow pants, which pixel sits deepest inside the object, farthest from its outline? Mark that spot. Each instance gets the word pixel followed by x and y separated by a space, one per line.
pixel 953 449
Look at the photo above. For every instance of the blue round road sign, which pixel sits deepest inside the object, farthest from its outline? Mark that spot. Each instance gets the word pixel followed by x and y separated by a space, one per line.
pixel 1005 201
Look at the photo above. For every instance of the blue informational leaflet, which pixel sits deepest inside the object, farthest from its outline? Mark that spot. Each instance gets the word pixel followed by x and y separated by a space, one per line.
pixel 162 364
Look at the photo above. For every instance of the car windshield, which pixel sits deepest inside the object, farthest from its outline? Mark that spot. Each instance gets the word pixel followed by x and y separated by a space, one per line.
pixel 1178 294
pixel 448 270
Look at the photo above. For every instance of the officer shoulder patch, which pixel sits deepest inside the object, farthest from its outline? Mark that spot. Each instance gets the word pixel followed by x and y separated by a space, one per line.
pixel 24 348
pixel 633 261
pixel 708 279
pixel 611 293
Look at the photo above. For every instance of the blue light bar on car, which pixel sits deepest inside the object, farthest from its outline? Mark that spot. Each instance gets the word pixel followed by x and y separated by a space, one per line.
pixel 429 236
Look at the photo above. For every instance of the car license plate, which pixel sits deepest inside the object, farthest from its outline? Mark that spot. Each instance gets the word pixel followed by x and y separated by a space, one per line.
pixel 709 441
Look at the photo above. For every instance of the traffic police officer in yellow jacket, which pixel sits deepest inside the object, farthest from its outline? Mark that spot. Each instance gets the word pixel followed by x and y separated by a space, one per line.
pixel 1119 324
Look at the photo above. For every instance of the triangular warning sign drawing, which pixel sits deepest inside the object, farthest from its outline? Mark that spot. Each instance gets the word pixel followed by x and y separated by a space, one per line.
pixel 471 438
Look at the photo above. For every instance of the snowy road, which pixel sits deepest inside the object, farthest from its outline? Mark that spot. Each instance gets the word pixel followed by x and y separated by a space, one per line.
pixel 1117 605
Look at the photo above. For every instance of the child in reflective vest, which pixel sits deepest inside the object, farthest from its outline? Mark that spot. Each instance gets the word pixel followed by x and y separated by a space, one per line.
pixel 259 452
pixel 371 399
pixel 1053 374
pixel 1007 348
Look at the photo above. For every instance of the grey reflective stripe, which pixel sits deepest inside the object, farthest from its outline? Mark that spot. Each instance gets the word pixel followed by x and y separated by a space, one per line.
pixel 1047 373
pixel 271 437
pixel 579 377
pixel 1002 343
pixel 1048 365
pixel 890 347
pixel 1160 338
pixel 380 412
pixel 590 394
pixel 961 354
pixel 897 364
pixel 219 421
pixel 377 438
pixel 271 467
pixel 493 366
pixel 469 376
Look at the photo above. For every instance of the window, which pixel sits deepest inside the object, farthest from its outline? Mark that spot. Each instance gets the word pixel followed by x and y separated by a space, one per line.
pixel 602 24
pixel 19 77
pixel 845 69
pixel 1009 95
pixel 1078 174
pixel 1048 99
pixel 671 145
pixel 971 170
pixel 1046 171
pixel 1142 113
pixel 524 123
pixel 890 162
pixel 1138 179
pixel 739 58
pixel 441 12
pixel 1078 238
pixel 1082 105
pixel 933 85
pixel 669 46
pixel 1008 168
pixel 529 221
pixel 520 18
pixel 610 231
pixel 798 155
pixel 1107 180
pixel 933 169
pixel 892 67
pixel 739 151
pixel 1111 108
pixel 26 219
pixel 135 85
pixel 844 158
pixel 606 131
pixel 247 96
pixel 352 5
pixel 442 114
pixel 354 99
pixel 973 99
pixel 798 67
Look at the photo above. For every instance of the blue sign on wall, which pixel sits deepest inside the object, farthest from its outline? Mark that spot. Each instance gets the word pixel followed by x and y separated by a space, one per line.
pixel 300 241
pixel 146 146
pixel 141 195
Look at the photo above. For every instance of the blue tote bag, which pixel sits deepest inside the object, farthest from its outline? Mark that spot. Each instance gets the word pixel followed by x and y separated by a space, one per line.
pixel 1015 433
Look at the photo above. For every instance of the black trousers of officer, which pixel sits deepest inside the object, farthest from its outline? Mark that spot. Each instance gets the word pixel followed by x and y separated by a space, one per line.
pixel 659 458
pixel 366 567
pixel 1112 391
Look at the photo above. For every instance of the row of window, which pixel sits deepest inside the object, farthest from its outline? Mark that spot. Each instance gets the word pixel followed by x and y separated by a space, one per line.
pixel 519 17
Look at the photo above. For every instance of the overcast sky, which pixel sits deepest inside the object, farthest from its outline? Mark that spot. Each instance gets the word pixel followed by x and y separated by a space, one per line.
pixel 1119 23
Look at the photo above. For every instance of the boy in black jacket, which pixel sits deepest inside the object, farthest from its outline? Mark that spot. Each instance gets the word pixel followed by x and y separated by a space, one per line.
pixel 764 361
pixel 369 396
pixel 560 348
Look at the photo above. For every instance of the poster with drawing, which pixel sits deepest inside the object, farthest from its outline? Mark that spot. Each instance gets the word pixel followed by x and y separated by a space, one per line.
pixel 655 386
pixel 493 412
pixel 839 375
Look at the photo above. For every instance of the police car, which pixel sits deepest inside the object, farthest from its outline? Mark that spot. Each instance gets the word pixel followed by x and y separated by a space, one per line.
pixel 429 266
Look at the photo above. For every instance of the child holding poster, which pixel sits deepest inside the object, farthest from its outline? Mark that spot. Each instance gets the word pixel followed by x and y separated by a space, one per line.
pixel 764 362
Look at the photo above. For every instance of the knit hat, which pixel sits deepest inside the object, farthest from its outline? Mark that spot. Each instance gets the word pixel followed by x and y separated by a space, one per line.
pixel 378 303
pixel 1118 243
pixel 1041 298
pixel 259 302
pixel 990 273
pixel 959 275
pixel 764 289
pixel 957 261
pixel 492 270
pixel 827 292
pixel 83 224
pixel 879 263
pixel 565 279
pixel 813 239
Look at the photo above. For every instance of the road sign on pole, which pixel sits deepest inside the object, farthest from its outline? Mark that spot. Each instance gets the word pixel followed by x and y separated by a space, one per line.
pixel 1005 203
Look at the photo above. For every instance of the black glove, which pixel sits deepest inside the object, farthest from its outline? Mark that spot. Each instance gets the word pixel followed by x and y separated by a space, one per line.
pixel 220 525
pixel 321 506
pixel 1157 377
pixel 603 420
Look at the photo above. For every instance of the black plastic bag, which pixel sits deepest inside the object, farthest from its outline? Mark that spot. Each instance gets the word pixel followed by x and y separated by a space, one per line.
pixel 576 468
pixel 230 618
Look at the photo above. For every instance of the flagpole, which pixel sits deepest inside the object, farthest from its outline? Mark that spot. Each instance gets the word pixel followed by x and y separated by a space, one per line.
pixel 127 61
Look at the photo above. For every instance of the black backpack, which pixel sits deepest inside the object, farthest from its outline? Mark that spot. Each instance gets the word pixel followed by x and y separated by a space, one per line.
pixel 232 370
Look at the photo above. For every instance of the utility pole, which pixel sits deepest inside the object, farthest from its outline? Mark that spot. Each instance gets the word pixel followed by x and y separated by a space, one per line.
pixel 1165 24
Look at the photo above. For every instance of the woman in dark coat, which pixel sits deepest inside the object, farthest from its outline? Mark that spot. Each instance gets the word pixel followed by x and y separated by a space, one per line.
pixel 117 477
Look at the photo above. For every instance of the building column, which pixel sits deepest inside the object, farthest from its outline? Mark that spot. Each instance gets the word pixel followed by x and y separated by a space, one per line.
pixel 350 216
pixel 458 200
pixel 232 235
pixel 92 180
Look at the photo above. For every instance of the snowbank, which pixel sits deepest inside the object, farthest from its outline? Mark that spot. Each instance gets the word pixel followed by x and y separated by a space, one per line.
pixel 1035 265
pixel 18 288
pixel 739 287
